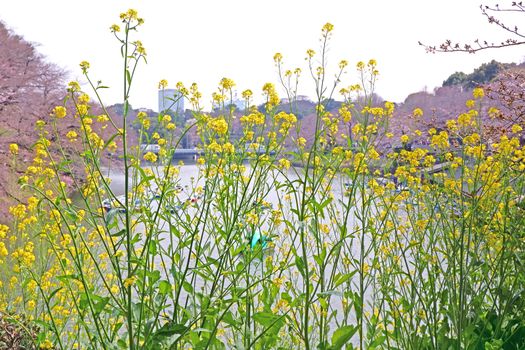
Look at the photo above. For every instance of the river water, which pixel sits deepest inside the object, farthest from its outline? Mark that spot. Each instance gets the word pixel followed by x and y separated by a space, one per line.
pixel 189 178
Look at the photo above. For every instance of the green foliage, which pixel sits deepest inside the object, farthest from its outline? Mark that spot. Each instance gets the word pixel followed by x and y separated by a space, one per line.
pixel 481 75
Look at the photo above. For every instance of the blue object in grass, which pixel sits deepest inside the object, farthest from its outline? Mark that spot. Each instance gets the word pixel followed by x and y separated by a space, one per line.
pixel 258 238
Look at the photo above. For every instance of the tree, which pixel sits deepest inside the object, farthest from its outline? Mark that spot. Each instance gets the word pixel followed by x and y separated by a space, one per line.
pixel 481 75
pixel 458 78
pixel 517 36
pixel 24 74
pixel 29 88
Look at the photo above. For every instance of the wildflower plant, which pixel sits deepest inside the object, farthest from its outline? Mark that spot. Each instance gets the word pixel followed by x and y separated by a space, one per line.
pixel 277 241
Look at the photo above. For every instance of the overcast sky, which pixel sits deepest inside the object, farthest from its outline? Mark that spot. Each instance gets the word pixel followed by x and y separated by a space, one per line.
pixel 203 41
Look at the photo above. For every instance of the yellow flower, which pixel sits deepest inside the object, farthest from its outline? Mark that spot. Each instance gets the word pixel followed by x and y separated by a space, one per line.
pixel 166 118
pixel 73 86
pixel 246 94
pixel 128 282
pixel 46 345
pixel 3 250
pixel 129 15
pixel 271 94
pixel 301 142
pixel 219 125
pixel 59 111
pixel 84 65
pixel 493 112
pixel 516 128
pixel 84 98
pixel 114 28
pixel 227 84
pixel 150 157
pixel 451 125
pixel 417 112
pixel 114 289
pixel 310 53
pixel 13 148
pixel 345 113
pixel 228 148
pixel 146 123
pixel 163 84
pixel 277 57
pixel 72 136
pixel 478 93
pixel 464 119
pixel 284 163
pixel 328 27
pixel 215 147
pixel 404 138
pixel 102 118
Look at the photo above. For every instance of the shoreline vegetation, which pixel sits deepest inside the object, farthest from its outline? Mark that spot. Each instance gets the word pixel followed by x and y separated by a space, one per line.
pixel 287 246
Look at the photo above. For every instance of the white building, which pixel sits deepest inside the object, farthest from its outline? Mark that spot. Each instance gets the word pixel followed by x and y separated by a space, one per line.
pixel 171 100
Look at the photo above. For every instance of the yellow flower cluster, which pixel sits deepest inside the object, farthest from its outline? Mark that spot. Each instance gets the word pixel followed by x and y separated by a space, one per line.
pixel 219 125
pixel 59 111
pixel 272 99
pixel 13 149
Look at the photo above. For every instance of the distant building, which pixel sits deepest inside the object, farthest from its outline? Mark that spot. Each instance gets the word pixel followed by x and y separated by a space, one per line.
pixel 170 100
pixel 297 98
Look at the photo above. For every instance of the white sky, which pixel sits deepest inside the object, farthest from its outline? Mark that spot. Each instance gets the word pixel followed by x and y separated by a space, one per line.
pixel 204 40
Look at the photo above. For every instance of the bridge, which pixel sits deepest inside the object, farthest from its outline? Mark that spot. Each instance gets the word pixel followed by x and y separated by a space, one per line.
pixel 180 153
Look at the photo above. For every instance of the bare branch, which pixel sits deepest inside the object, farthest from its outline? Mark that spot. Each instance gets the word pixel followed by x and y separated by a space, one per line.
pixel 477 45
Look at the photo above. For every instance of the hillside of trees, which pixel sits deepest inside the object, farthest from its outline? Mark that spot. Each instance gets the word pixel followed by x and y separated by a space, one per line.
pixel 30 87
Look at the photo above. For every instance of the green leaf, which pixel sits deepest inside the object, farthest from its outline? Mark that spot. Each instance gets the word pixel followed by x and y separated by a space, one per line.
pixel 63 278
pixel 343 278
pixel 119 233
pixel 53 293
pixel 299 262
pixel 100 304
pixel 170 329
pixel 164 287
pixel 267 319
pixel 187 287
pixel 228 319
pixel 342 336
pixel 378 341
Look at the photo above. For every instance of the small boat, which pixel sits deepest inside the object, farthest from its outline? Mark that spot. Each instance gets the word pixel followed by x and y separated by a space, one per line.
pixel 106 205
pixel 257 238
